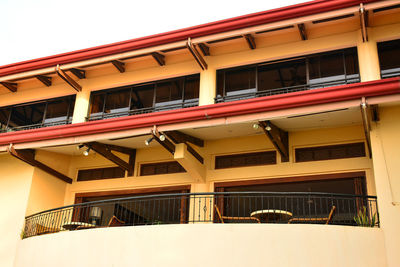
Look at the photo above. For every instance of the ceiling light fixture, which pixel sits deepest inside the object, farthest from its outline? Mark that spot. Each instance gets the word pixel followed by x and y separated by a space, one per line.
pixel 162 137
pixel 86 152
pixel 148 141
pixel 256 126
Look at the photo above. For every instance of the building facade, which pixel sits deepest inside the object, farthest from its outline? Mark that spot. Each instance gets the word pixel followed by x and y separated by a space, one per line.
pixel 266 139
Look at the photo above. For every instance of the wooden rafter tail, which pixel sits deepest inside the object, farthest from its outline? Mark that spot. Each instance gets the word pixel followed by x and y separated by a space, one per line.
pixel 80 74
pixel 119 65
pixel 199 59
pixel 302 31
pixel 204 49
pixel 160 58
pixel 10 86
pixel 68 79
pixel 179 137
pixel 250 41
pixel 28 156
pixel 44 79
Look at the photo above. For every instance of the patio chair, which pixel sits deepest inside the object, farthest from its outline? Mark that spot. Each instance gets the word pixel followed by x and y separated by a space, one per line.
pixel 239 219
pixel 327 220
pixel 114 221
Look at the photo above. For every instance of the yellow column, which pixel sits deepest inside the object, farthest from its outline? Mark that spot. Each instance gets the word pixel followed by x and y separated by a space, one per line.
pixel 81 106
pixel 368 59
pixel 208 82
pixel 385 147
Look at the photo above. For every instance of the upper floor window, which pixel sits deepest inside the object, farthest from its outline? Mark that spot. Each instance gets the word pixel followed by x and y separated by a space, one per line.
pixel 291 75
pixel 144 98
pixel 39 114
pixel 389 58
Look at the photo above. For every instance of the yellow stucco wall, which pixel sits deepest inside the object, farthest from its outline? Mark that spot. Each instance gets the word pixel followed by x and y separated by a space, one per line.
pixel 15 183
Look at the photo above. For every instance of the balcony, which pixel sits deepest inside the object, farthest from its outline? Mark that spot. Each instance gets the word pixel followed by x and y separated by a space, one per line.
pixel 219 207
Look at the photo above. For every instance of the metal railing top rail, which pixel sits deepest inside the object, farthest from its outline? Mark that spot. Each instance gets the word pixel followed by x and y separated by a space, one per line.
pixel 320 194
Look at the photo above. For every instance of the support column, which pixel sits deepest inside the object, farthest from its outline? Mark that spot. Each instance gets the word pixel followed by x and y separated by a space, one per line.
pixel 385 147
pixel 81 106
pixel 201 207
pixel 368 59
pixel 208 82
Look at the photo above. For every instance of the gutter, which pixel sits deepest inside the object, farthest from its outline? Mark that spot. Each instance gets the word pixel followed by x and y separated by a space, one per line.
pixel 294 11
pixel 221 110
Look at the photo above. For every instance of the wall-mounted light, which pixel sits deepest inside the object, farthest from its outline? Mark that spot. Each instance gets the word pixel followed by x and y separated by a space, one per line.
pixel 162 137
pixel 78 147
pixel 256 126
pixel 268 127
pixel 86 152
pixel 148 141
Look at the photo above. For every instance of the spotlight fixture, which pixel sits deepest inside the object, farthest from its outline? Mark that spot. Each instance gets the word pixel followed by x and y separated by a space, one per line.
pixel 162 137
pixel 256 126
pixel 268 127
pixel 86 152
pixel 148 141
pixel 78 147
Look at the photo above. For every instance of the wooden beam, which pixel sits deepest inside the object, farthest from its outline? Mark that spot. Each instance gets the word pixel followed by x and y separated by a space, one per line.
pixel 119 65
pixel 190 163
pixel 159 58
pixel 199 59
pixel 250 41
pixel 302 31
pixel 68 79
pixel 10 86
pixel 194 153
pixel 168 145
pixel 365 115
pixel 28 156
pixel 44 79
pixel 179 137
pixel 80 74
pixel 204 49
pixel 105 151
pixel 278 137
pixel 363 22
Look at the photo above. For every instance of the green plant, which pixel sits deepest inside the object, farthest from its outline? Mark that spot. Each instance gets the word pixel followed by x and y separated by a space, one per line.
pixel 362 218
pixel 22 234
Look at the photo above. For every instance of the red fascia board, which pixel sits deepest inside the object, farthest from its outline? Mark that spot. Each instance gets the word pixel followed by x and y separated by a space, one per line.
pixel 249 106
pixel 303 9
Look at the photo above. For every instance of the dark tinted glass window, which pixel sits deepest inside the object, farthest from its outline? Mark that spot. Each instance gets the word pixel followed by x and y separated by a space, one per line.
pixel 161 168
pixel 27 115
pixel 117 101
pixel 97 103
pixel 4 115
pixel 100 173
pixel 192 86
pixel 142 97
pixel 243 80
pixel 169 92
pixel 58 110
pixel 243 160
pixel 330 152
pixel 389 58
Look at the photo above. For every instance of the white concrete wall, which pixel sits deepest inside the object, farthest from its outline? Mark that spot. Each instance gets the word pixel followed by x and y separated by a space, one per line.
pixel 207 245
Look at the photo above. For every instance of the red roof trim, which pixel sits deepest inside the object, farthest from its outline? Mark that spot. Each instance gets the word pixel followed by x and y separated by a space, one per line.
pixel 249 106
pixel 303 9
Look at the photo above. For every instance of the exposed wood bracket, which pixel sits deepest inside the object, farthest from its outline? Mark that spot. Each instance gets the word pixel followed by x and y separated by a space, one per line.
pixel 204 49
pixel 363 22
pixel 168 145
pixel 10 86
pixel 190 163
pixel 365 114
pixel 159 58
pixel 119 65
pixel 278 137
pixel 250 41
pixel 302 31
pixel 68 79
pixel 197 56
pixel 44 79
pixel 80 74
pixel 28 156
pixel 179 137
pixel 106 151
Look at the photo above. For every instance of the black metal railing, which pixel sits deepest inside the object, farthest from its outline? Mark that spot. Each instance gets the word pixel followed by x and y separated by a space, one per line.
pixel 219 207
pixel 284 90
pixel 35 126
pixel 158 107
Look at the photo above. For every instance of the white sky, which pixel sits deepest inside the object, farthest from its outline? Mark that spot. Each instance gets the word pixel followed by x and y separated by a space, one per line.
pixel 36 28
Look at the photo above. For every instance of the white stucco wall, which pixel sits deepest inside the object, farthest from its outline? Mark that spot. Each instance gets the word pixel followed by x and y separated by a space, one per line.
pixel 207 245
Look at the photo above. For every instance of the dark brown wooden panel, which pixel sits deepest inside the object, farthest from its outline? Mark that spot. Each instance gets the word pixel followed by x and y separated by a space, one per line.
pixel 245 160
pixel 161 168
pixel 100 173
pixel 330 152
